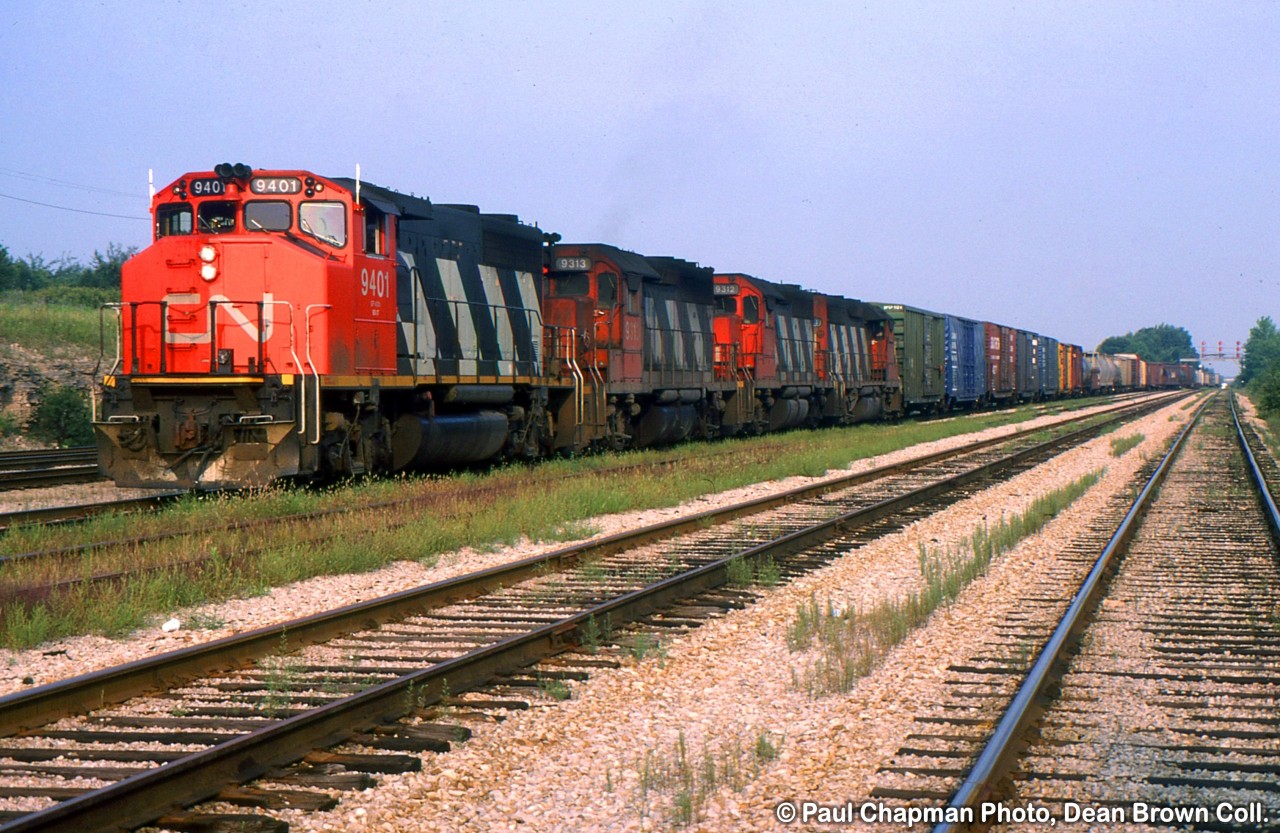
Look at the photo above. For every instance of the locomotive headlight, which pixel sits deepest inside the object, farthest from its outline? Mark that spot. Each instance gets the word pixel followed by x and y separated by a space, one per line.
pixel 208 253
pixel 208 271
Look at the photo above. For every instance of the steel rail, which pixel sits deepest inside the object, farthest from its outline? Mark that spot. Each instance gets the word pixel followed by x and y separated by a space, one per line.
pixel 24 469
pixel 1007 740
pixel 1255 474
pixel 51 515
pixel 146 796
pixel 44 704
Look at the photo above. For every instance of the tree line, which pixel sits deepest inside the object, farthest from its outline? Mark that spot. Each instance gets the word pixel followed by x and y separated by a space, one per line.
pixel 1260 366
pixel 1162 343
pixel 64 280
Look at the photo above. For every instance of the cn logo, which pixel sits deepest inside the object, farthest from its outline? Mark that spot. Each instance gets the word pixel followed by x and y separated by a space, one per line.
pixel 243 314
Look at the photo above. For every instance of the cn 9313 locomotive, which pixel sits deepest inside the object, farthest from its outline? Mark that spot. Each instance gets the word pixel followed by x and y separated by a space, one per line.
pixel 284 324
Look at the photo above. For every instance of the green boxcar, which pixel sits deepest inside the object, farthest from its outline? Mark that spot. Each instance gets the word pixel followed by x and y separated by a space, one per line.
pixel 920 341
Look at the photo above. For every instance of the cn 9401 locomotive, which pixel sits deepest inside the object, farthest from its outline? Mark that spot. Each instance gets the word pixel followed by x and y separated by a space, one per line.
pixel 284 324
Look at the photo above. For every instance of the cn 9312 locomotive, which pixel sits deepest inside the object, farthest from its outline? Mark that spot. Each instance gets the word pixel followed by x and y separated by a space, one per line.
pixel 284 324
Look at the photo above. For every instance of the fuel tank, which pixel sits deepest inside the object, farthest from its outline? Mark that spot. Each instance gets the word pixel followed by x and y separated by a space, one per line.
pixel 419 442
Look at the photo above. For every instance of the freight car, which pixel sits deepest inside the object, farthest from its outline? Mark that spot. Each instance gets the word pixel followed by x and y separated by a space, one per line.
pixel 966 377
pixel 287 324
pixel 1002 363
pixel 920 343
pixel 1070 369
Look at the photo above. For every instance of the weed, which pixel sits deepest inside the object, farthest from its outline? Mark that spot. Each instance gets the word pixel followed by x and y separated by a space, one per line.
pixel 1120 445
pixel 688 780
pixel 554 689
pixel 206 621
pixel 744 572
pixel 850 642
pixel 646 645
pixel 281 679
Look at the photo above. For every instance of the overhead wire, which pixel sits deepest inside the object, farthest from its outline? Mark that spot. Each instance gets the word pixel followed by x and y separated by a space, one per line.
pixel 76 210
pixel 48 180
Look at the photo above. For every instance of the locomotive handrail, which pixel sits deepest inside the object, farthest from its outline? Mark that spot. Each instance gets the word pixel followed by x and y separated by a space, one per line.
pixel 102 350
pixel 533 319
pixel 293 353
pixel 665 370
pixel 303 428
pixel 213 331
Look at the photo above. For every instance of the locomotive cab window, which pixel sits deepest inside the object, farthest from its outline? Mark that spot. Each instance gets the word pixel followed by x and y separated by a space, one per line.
pixel 375 230
pixel 571 284
pixel 750 309
pixel 727 304
pixel 216 217
pixel 325 221
pixel 268 215
pixel 173 219
pixel 607 291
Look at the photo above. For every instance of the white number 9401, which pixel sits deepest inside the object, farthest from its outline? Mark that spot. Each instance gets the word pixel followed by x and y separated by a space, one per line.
pixel 375 282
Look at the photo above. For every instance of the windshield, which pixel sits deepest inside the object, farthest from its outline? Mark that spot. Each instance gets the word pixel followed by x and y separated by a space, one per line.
pixel 216 217
pixel 570 284
pixel 325 221
pixel 268 215
pixel 173 219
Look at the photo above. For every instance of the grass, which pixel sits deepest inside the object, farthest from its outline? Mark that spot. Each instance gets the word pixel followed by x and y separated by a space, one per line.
pixel 748 572
pixel 554 689
pixel 400 519
pixel 1121 445
pixel 848 643
pixel 674 785
pixel 44 327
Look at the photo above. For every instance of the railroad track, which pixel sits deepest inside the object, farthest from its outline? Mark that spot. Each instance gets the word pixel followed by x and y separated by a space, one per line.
pixel 72 513
pixel 1150 699
pixel 240 709
pixel 52 467
pixel 91 562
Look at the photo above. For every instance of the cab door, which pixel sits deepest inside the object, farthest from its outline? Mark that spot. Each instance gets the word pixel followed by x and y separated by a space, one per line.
pixel 374 290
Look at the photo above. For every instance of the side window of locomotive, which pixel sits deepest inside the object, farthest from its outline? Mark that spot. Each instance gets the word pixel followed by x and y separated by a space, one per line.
pixel 750 309
pixel 268 215
pixel 375 231
pixel 173 219
pixel 325 221
pixel 607 295
pixel 571 284
pixel 216 217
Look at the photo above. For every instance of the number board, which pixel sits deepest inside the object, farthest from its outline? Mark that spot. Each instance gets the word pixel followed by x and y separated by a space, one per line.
pixel 275 185
pixel 207 188
pixel 725 289
pixel 572 264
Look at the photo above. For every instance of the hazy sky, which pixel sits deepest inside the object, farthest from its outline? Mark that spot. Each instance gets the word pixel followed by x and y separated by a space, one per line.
pixel 1078 169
